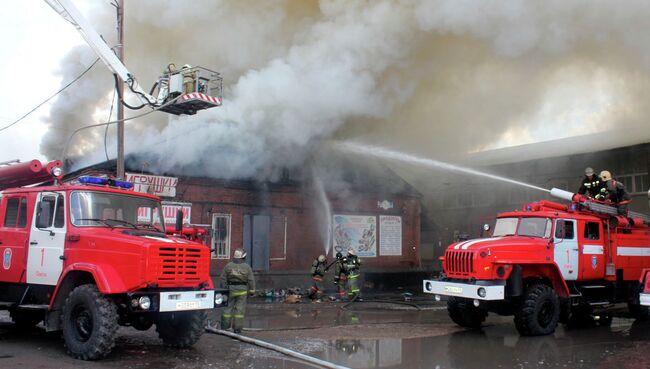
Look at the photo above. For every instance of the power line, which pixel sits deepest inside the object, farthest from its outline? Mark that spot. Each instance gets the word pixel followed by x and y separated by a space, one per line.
pixel 110 114
pixel 51 97
pixel 67 144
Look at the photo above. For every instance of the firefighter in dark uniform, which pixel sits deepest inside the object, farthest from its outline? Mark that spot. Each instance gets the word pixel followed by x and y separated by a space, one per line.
pixel 614 191
pixel 351 267
pixel 238 277
pixel 591 184
pixel 317 275
pixel 340 279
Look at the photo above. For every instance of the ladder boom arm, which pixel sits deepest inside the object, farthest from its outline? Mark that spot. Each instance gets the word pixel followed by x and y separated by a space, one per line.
pixel 69 12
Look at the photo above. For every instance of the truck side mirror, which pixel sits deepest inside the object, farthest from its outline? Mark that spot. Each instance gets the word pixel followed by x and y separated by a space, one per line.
pixel 43 216
pixel 179 220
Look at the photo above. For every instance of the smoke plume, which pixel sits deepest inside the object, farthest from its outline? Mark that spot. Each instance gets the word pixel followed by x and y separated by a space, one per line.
pixel 440 78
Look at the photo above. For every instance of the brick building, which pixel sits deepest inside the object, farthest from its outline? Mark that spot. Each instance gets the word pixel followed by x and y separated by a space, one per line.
pixel 283 226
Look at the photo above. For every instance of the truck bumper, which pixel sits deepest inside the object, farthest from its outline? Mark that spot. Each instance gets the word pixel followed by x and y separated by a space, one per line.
pixel 186 300
pixel 645 299
pixel 466 290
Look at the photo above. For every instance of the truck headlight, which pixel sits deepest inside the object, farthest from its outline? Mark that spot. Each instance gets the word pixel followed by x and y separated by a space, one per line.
pixel 218 299
pixel 144 302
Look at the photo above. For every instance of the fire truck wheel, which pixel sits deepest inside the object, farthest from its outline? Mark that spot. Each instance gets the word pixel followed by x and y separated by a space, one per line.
pixel 26 318
pixel 89 322
pixel 464 313
pixel 539 311
pixel 181 329
pixel 638 311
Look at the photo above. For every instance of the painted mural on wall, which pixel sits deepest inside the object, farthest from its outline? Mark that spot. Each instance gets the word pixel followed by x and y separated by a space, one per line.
pixel 358 232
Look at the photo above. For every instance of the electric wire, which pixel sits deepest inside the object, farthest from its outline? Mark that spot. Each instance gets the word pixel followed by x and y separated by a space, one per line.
pixel 110 114
pixel 51 97
pixel 67 143
pixel 121 98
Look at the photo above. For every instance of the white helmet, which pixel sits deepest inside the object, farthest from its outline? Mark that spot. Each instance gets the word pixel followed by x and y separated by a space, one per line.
pixel 605 175
pixel 239 254
pixel 351 251
pixel 321 258
pixel 589 171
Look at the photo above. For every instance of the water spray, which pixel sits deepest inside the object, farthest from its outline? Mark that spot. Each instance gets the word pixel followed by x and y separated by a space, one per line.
pixel 362 149
pixel 322 197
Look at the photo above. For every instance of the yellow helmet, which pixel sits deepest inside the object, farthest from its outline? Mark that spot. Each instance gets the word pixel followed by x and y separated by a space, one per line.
pixel 605 175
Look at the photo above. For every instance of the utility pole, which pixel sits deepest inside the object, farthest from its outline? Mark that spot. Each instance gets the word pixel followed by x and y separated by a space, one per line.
pixel 120 86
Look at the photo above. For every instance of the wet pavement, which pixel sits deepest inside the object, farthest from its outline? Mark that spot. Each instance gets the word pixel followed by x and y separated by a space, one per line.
pixel 365 335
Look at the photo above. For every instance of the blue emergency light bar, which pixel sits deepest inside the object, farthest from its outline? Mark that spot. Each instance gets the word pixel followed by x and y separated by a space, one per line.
pixel 105 182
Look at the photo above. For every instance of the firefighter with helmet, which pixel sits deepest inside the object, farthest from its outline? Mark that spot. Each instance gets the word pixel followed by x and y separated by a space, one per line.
pixel 238 277
pixel 340 278
pixel 318 268
pixel 614 191
pixel 591 184
pixel 351 268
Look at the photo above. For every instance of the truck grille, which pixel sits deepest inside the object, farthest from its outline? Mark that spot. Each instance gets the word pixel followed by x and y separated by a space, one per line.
pixel 175 266
pixel 459 262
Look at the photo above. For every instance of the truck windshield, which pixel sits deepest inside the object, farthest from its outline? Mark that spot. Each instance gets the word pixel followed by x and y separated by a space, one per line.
pixel 533 227
pixel 104 209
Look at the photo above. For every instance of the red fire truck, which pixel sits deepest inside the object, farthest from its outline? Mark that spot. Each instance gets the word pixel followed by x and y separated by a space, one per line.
pixel 548 263
pixel 88 256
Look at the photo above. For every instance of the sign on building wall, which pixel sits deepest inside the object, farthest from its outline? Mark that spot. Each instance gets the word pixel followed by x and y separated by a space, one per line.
pixel 156 185
pixel 356 231
pixel 390 235
pixel 169 210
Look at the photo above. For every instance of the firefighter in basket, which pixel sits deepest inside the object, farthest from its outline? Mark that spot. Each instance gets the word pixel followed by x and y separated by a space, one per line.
pixel 238 277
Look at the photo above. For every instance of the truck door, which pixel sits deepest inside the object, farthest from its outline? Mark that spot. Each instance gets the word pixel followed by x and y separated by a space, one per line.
pixel 566 248
pixel 13 238
pixel 47 239
pixel 592 257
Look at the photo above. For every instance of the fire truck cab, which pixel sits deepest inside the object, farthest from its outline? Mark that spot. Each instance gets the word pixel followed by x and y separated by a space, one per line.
pixel 547 263
pixel 86 257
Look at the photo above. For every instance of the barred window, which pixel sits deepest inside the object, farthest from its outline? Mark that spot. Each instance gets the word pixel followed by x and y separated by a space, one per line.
pixel 221 236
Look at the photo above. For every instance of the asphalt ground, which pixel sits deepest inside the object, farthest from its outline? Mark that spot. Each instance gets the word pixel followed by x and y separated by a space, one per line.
pixel 359 335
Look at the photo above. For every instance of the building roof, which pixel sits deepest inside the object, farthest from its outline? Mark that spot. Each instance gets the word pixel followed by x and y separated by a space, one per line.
pixel 338 174
pixel 561 147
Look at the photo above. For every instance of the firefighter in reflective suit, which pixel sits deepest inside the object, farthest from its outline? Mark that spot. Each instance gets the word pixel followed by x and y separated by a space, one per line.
pixel 238 277
pixel 351 268
pixel 317 288
pixel 340 279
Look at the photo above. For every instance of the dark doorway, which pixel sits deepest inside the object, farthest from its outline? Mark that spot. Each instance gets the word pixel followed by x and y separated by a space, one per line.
pixel 257 231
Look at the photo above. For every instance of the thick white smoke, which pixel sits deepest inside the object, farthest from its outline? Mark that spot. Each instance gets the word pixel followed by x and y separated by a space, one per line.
pixel 432 76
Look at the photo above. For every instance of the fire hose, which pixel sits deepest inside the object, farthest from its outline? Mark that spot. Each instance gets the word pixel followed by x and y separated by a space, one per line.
pixel 270 346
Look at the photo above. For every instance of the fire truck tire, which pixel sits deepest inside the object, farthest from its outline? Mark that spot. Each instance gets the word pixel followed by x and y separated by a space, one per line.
pixel 26 318
pixel 89 322
pixel 464 313
pixel 539 312
pixel 638 311
pixel 182 329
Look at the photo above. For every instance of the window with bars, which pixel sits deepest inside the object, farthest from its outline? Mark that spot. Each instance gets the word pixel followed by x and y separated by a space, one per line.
pixel 221 236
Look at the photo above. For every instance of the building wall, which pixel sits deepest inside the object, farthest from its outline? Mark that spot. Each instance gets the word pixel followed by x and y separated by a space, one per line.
pixel 295 210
